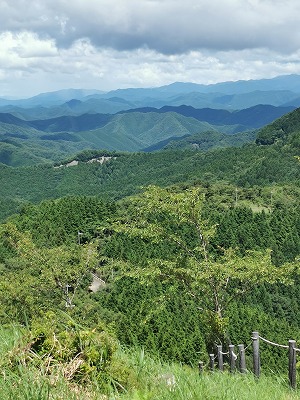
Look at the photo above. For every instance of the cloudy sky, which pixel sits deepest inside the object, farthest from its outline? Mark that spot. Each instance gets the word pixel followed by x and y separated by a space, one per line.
pixel 48 45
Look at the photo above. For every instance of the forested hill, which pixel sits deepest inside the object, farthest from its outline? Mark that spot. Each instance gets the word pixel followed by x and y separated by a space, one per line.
pixel 249 118
pixel 125 173
pixel 28 142
pixel 52 126
pixel 285 130
pixel 193 248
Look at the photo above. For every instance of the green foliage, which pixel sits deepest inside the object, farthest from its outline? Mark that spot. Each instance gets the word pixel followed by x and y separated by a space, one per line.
pixel 84 353
pixel 150 305
pixel 38 279
pixel 244 229
pixel 124 175
pixel 161 317
pixel 209 140
pixel 57 222
pixel 179 263
pixel 281 129
pixel 213 276
pixel 60 353
pixel 129 374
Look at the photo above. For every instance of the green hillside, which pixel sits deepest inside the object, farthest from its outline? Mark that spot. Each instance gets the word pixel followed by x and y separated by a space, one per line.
pixel 21 147
pixel 26 142
pixel 124 174
pixel 246 166
pixel 189 248
pixel 209 140
pixel 25 145
pixel 285 130
pixel 135 131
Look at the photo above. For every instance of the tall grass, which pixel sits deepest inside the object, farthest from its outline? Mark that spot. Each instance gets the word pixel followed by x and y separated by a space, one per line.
pixel 164 381
pixel 189 386
pixel 22 382
pixel 134 376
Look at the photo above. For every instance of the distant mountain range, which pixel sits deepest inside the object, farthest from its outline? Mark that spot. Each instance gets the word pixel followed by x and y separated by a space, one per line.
pixel 280 91
pixel 253 117
pixel 24 142
pixel 249 118
pixel 53 125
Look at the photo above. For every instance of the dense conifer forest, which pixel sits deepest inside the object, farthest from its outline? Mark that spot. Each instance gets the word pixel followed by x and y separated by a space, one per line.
pixel 192 248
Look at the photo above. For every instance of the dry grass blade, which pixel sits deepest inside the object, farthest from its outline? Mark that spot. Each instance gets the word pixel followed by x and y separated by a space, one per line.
pixel 72 367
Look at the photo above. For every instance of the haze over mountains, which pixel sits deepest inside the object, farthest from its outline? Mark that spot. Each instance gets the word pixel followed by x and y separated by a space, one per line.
pixel 280 91
pixel 53 125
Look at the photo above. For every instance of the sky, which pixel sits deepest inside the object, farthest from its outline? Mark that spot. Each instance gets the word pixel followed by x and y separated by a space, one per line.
pixel 48 45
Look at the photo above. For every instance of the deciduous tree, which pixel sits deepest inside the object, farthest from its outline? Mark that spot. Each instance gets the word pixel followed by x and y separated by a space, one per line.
pixel 213 276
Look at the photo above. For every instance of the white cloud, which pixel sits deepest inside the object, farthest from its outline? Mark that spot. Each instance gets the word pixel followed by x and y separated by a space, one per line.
pixel 107 44
pixel 168 26
pixel 23 50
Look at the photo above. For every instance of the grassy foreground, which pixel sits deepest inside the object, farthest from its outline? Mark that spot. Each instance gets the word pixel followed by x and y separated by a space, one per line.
pixel 146 379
